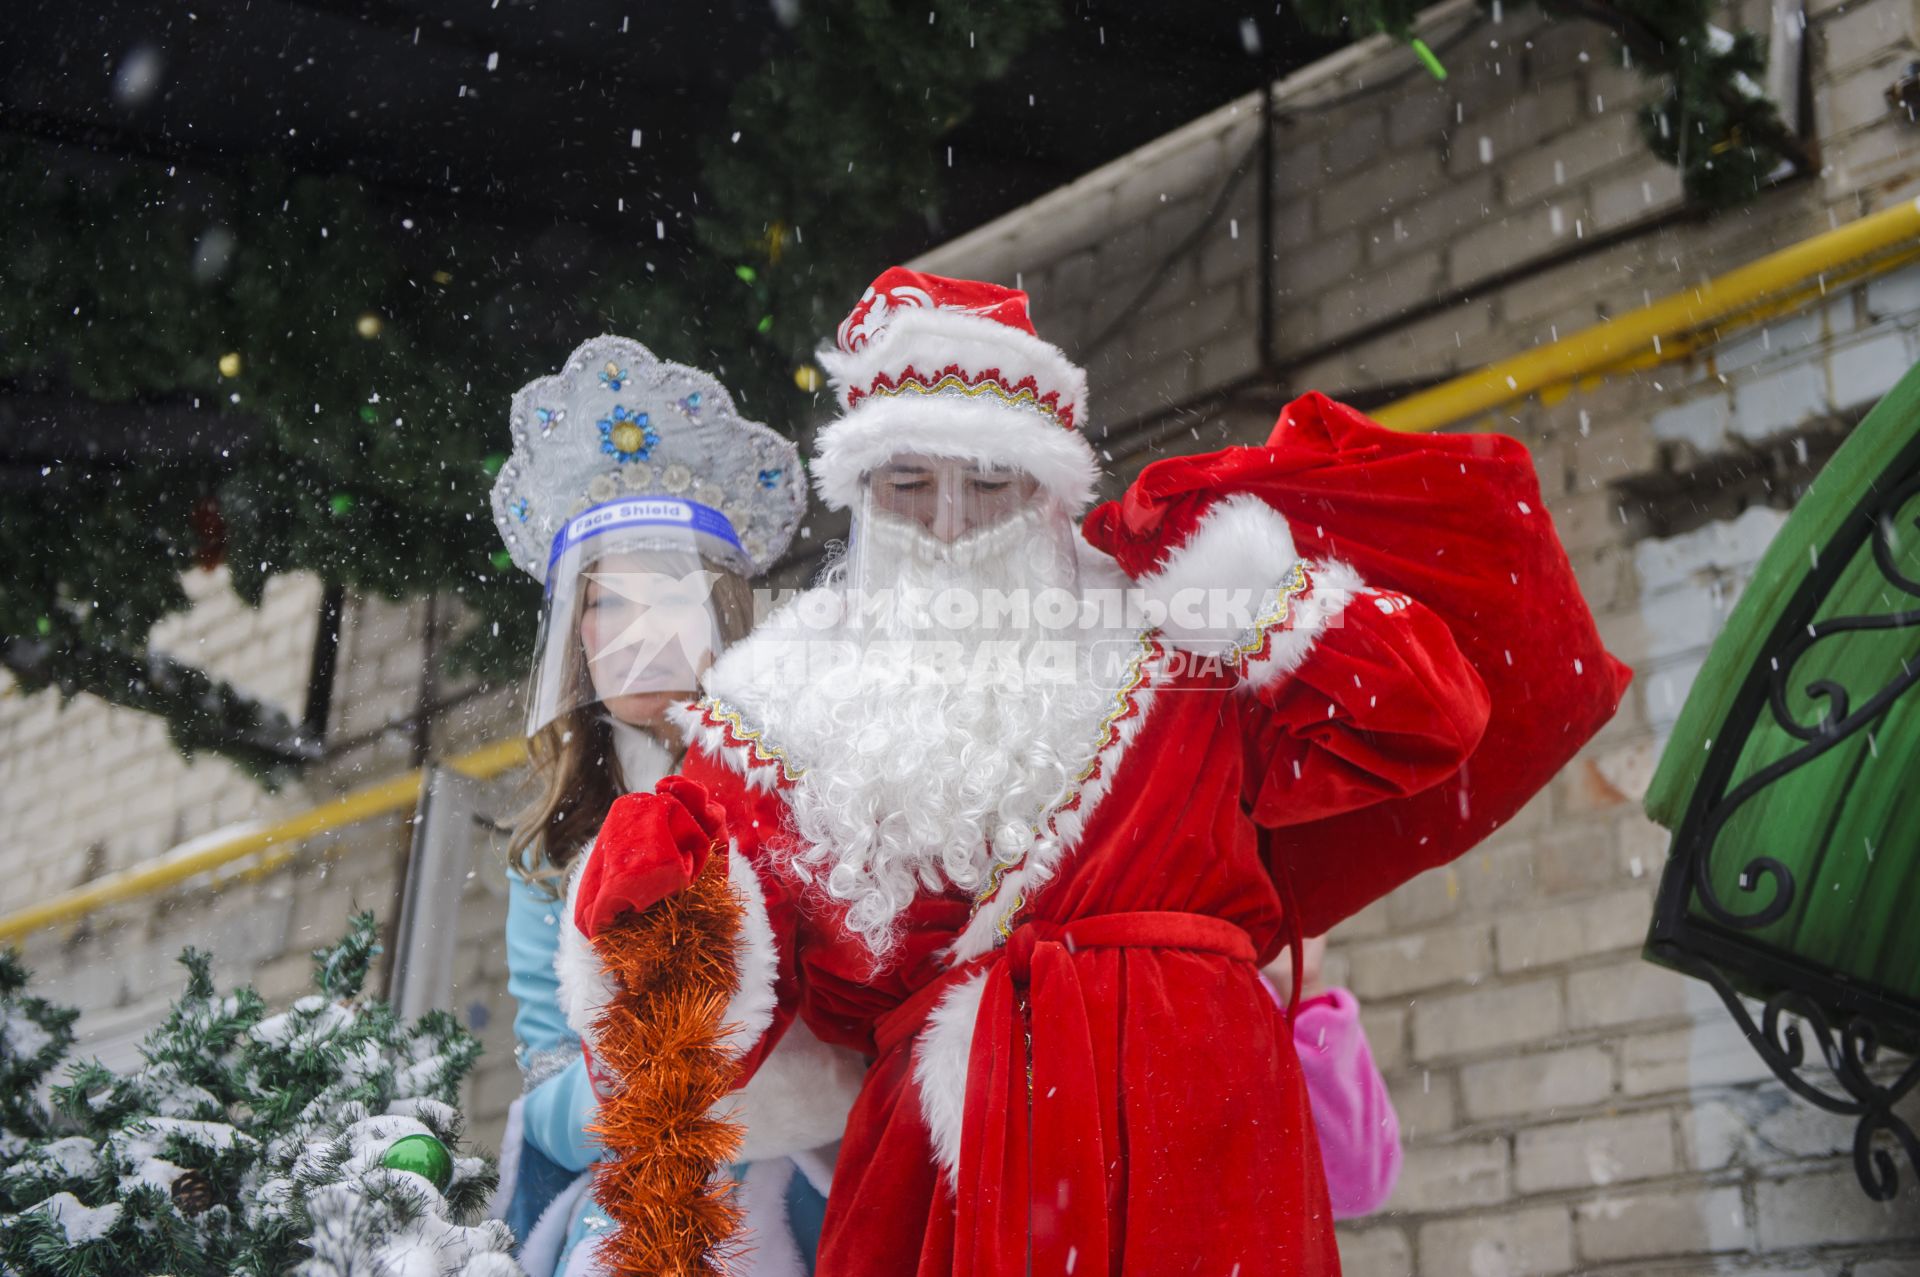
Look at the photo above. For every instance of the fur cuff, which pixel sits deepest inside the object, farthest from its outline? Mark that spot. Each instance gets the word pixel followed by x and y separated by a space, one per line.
pixel 1293 622
pixel 940 1070
pixel 1210 589
pixel 1240 542
pixel 585 987
pixel 1216 594
pixel 750 1010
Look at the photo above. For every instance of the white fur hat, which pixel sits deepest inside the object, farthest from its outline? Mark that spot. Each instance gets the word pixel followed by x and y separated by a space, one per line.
pixel 951 368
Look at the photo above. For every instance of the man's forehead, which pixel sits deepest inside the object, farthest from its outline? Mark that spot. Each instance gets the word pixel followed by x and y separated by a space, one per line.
pixel 913 463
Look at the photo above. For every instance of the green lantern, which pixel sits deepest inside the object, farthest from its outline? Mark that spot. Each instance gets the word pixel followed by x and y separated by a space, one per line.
pixel 423 1155
pixel 1789 784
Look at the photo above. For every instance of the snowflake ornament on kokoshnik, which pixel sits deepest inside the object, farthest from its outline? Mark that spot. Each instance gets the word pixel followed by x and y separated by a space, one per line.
pixel 627 436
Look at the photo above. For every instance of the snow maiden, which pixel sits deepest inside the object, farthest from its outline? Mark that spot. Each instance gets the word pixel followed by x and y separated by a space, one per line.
pixel 644 505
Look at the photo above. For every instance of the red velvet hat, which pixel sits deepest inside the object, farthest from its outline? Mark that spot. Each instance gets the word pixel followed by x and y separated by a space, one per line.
pixel 951 367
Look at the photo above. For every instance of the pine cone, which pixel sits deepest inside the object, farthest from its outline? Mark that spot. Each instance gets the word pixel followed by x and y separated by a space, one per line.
pixel 192 1192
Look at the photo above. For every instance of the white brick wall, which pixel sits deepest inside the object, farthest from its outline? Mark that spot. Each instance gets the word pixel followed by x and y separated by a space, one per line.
pixel 92 775
pixel 1663 1224
pixel 1691 583
pixel 86 774
pixel 1526 1243
pixel 1599 1150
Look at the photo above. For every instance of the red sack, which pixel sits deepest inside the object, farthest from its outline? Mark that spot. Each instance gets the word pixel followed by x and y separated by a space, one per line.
pixel 1455 522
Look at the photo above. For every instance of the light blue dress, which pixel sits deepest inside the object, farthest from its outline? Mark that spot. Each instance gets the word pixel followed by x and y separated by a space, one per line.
pixel 545 1190
pixel 558 1100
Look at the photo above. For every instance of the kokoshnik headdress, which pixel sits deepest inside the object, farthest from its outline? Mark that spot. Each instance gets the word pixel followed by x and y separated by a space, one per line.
pixel 618 424
pixel 632 485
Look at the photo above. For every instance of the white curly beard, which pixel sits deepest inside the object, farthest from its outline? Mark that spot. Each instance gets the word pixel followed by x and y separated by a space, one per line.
pixel 916 783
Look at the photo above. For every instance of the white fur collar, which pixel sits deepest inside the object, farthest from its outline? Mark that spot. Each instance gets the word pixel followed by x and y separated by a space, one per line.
pixel 743 692
pixel 643 759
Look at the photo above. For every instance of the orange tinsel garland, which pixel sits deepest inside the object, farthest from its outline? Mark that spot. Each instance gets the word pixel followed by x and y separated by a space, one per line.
pixel 663 1037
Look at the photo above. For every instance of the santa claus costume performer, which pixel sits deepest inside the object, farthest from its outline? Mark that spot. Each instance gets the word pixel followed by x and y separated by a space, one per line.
pixel 1028 851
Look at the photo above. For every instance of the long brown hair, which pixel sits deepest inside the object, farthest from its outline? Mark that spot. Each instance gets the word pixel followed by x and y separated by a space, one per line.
pixel 573 761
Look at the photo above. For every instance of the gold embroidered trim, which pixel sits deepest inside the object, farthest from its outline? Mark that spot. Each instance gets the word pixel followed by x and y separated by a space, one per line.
pixel 1256 644
pixel 1124 703
pixel 952 383
pixel 737 734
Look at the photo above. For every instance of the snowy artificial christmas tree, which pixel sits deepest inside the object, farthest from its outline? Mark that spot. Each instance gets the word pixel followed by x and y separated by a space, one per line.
pixel 318 1142
pixel 34 1037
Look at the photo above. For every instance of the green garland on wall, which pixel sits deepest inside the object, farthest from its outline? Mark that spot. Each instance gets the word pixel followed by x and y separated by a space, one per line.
pixel 372 355
pixel 1707 119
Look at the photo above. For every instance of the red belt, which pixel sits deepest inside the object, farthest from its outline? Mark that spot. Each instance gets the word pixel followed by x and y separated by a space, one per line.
pixel 1032 1038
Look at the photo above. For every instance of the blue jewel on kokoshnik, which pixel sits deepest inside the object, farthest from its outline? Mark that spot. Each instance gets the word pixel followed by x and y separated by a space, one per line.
pixel 770 479
pixel 690 404
pixel 613 376
pixel 521 508
pixel 627 436
pixel 548 419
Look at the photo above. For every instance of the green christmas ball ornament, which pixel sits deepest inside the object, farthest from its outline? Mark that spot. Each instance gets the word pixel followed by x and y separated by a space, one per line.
pixel 424 1155
pixel 493 463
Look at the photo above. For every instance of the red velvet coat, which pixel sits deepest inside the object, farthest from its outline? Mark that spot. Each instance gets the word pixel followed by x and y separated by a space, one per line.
pixel 1079 1071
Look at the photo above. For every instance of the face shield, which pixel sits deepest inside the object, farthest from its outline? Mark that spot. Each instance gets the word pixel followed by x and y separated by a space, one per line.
pixel 642 595
pixel 945 547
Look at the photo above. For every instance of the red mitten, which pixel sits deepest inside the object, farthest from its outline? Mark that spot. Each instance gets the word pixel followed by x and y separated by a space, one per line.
pixel 651 846
pixel 1143 526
